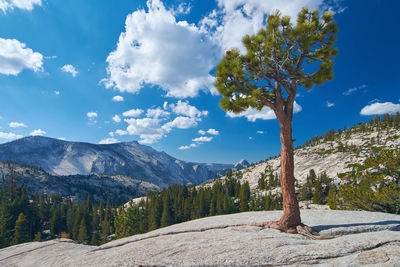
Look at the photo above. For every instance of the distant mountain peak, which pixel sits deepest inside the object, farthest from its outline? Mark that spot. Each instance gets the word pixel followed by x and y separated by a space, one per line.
pixel 241 164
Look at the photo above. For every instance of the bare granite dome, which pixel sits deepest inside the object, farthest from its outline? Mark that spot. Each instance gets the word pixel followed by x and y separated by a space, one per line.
pixel 363 239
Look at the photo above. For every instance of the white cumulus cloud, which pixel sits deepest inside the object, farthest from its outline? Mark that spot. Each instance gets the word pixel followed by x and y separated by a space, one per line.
pixel 157 112
pixel 180 122
pixel 184 108
pixel 91 115
pixel 380 108
pixel 70 69
pixel 148 129
pixel 187 147
pixel 209 131
pixel 266 113
pixel 156 49
pixel 15 57
pixel 16 124
pixel 10 136
pixel 107 141
pixel 118 98
pixel 133 113
pixel 121 132
pixel 157 122
pixel 213 132
pixel 330 104
pixel 203 139
pixel 7 5
pixel 116 118
pixel 38 132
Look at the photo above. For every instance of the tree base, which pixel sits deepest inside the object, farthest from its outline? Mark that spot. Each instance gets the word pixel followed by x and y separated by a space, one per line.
pixel 300 229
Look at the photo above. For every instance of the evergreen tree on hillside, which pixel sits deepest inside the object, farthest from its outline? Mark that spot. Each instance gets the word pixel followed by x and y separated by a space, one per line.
pixel 21 230
pixel 244 196
pixel 6 225
pixel 317 195
pixel 166 217
pixel 83 232
pixel 155 211
pixel 106 229
pixel 38 237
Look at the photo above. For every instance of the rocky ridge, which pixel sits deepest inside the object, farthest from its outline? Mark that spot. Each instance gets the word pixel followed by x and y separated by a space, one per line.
pixel 62 158
pixel 332 157
pixel 363 239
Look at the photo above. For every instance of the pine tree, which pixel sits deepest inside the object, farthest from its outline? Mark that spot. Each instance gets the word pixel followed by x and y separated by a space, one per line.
pixel 55 221
pixel 21 230
pixel 155 212
pixel 105 230
pixel 95 239
pixel 38 237
pixel 269 75
pixel 166 217
pixel 317 195
pixel 312 176
pixel 83 233
pixel 6 225
pixel 244 195
pixel 331 200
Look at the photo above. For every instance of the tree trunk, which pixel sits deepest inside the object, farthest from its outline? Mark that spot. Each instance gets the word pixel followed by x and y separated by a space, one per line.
pixel 291 212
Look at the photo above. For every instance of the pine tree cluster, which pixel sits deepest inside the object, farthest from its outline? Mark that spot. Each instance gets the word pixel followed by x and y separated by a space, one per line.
pixel 268 180
pixel 26 218
pixel 316 188
pixel 372 186
pixel 179 203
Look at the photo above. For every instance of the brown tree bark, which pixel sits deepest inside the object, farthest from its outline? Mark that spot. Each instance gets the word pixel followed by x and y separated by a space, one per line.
pixel 291 212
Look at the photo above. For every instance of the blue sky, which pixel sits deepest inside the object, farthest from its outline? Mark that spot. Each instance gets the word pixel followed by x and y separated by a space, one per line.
pixel 114 71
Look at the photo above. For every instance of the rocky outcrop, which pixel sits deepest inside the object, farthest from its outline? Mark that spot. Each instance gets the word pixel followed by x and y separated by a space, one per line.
pixel 363 239
pixel 328 156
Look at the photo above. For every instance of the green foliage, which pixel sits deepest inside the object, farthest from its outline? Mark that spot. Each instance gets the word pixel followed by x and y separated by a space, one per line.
pixel 21 230
pixel 179 203
pixel 244 196
pixel 83 232
pixel 373 185
pixel 317 195
pixel 166 217
pixel 268 180
pixel 61 216
pixel 38 237
pixel 316 188
pixel 276 60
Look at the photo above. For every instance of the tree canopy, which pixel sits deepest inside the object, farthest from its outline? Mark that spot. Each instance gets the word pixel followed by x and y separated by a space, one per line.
pixel 275 62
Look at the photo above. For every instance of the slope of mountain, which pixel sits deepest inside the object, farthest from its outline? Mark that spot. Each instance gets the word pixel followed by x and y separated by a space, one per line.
pixel 334 154
pixel 59 157
pixel 117 188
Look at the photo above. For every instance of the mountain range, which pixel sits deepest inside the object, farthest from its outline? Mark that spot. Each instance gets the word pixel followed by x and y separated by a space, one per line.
pixel 64 158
